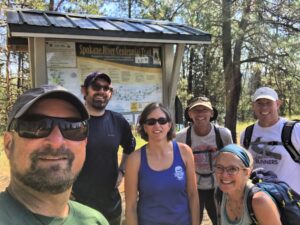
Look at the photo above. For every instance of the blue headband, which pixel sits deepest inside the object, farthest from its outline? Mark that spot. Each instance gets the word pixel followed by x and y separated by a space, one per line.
pixel 239 152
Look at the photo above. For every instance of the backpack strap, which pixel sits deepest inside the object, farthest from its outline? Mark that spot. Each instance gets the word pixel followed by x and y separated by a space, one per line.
pixel 218 194
pixel 219 140
pixel 251 192
pixel 286 137
pixel 247 136
pixel 188 139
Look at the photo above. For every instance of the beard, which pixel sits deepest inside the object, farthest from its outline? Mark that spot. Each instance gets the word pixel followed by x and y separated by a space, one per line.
pixel 98 104
pixel 54 179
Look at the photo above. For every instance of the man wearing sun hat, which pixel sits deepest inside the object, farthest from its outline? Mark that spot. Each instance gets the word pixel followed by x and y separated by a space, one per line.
pixel 45 145
pixel 205 139
pixel 265 143
pixel 98 182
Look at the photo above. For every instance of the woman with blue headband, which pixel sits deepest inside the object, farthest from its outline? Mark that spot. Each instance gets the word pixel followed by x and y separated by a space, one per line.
pixel 233 168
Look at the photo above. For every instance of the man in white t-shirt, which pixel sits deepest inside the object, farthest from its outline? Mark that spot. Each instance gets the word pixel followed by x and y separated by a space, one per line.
pixel 267 130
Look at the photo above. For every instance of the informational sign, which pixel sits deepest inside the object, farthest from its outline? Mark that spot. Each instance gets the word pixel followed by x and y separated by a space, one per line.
pixel 60 54
pixel 135 71
pixel 66 77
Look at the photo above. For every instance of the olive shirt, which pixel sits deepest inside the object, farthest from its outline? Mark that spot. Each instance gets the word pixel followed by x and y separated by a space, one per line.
pixel 13 212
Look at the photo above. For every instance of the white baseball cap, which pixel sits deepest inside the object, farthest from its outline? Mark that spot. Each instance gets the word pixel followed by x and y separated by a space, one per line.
pixel 265 92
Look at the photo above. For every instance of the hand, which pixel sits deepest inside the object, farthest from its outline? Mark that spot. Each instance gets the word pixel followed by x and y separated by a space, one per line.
pixel 120 178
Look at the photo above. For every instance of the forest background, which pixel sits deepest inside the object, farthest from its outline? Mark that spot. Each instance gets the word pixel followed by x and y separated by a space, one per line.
pixel 254 43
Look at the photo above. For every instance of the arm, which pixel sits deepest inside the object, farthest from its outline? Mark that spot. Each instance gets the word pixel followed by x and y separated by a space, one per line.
pixel 128 144
pixel 265 209
pixel 121 169
pixel 131 187
pixel 192 191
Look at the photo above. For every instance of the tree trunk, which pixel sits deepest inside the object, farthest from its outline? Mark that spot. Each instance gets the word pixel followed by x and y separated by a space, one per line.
pixel 191 69
pixel 232 64
pixel 228 66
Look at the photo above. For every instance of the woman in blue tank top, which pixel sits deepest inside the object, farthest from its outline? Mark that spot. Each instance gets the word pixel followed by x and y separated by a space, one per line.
pixel 160 183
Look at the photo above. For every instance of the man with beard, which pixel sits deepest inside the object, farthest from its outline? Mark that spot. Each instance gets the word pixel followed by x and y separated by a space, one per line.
pixel 98 182
pixel 45 145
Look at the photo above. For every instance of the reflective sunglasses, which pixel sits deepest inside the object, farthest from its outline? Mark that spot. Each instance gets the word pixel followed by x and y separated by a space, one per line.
pixel 230 170
pixel 98 87
pixel 37 126
pixel 152 121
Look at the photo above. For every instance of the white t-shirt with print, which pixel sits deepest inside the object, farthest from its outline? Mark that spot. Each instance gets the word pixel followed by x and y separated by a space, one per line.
pixel 275 157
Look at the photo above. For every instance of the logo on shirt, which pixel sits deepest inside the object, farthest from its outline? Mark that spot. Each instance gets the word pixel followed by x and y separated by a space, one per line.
pixel 179 174
pixel 264 151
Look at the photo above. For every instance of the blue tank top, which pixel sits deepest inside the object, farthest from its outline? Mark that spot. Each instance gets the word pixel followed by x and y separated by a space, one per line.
pixel 163 196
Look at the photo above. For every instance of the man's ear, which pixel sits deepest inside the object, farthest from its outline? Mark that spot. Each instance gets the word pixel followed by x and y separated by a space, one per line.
pixel 8 143
pixel 279 103
pixel 83 90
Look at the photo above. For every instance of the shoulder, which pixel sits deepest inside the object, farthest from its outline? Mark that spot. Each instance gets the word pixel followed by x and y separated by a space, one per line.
pixel 225 134
pixel 185 150
pixel 115 115
pixel 181 135
pixel 85 214
pixel 136 155
pixel 261 201
pixel 134 161
pixel 297 126
pixel 224 131
pixel 118 119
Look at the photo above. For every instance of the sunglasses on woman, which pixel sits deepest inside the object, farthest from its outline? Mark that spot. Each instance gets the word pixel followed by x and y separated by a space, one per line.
pixel 152 121
pixel 36 126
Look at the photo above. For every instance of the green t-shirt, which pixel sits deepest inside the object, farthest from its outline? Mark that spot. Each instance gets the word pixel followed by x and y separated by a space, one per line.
pixel 14 213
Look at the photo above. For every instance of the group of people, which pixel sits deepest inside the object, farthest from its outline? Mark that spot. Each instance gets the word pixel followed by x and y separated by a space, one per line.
pixel 63 157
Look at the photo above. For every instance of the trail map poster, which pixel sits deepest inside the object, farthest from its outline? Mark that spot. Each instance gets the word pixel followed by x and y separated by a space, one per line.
pixel 62 65
pixel 136 73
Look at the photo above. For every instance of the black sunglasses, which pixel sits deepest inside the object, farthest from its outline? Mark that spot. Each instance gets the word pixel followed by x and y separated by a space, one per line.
pixel 37 126
pixel 152 121
pixel 98 87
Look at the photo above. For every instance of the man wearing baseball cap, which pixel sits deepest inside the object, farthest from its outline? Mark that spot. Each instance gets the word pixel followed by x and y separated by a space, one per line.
pixel 45 145
pixel 98 182
pixel 265 143
pixel 205 139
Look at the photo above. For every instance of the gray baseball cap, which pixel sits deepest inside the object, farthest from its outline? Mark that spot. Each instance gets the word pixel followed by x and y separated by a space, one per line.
pixel 31 96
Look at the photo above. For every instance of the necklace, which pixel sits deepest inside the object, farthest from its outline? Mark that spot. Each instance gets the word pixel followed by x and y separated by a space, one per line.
pixel 234 210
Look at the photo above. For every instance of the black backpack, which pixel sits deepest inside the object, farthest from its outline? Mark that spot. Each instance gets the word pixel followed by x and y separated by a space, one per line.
pixel 286 135
pixel 286 199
